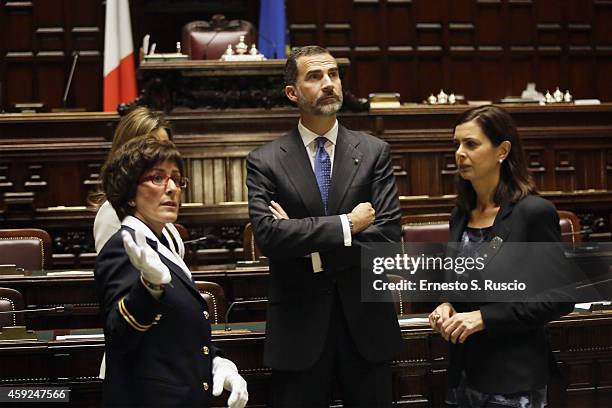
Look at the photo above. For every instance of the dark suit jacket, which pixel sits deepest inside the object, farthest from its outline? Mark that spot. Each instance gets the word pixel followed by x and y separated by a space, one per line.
pixel 512 353
pixel 151 360
pixel 300 301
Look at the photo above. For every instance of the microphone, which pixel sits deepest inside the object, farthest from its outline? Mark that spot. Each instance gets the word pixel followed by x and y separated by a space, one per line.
pixel 74 62
pixel 240 302
pixel 585 231
pixel 61 309
pixel 592 290
pixel 581 285
pixel 193 241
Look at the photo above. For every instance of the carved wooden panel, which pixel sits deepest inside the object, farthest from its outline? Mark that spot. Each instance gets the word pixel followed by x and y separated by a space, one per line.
pixel 482 49
pixel 608 168
pixel 5 182
pixel 38 42
pixel 448 173
pixel 50 163
pixel 563 154
pixel 36 181
pixel 565 170
pixel 92 181
pixel 402 177
pixel 535 163
pixel 421 382
pixel 217 180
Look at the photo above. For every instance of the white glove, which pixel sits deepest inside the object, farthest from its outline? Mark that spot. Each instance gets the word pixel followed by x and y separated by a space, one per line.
pixel 145 259
pixel 225 375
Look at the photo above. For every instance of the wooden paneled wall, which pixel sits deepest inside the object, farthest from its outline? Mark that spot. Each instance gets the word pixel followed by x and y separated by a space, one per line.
pixel 58 157
pixel 37 41
pixel 484 49
pixel 50 162
pixel 217 180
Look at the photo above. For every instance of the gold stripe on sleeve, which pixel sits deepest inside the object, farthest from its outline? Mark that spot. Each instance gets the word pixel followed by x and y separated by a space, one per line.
pixel 130 319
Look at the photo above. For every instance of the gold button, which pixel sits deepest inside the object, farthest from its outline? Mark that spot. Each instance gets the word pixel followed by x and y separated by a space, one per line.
pixel 205 386
pixel 205 350
pixel 157 317
pixel 206 315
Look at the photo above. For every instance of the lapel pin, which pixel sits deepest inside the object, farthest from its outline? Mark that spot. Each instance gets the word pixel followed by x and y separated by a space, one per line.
pixel 496 242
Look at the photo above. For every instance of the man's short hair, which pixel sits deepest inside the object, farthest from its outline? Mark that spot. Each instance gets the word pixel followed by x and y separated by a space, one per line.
pixel 291 69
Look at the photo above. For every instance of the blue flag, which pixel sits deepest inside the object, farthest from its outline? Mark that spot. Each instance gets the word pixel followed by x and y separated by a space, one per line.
pixel 272 28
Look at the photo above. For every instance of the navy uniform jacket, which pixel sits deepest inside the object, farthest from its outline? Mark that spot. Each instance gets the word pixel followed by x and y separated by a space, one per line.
pixel 158 352
pixel 300 301
pixel 512 354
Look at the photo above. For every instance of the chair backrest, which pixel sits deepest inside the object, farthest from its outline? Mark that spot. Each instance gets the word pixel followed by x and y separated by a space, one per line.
pixel 215 297
pixel 28 248
pixel 10 300
pixel 182 230
pixel 250 249
pixel 434 227
pixel 425 228
pixel 570 227
pixel 209 39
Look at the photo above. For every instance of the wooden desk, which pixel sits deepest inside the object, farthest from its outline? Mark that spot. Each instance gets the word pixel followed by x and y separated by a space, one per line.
pixel 192 84
pixel 582 344
pixel 42 289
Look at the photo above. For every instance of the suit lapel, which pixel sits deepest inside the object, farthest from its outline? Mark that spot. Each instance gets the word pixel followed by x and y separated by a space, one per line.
pixel 177 272
pixel 347 159
pixel 458 227
pixel 296 163
pixel 459 224
pixel 500 232
pixel 503 221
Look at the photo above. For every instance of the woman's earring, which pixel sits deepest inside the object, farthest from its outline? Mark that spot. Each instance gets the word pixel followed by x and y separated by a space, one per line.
pixel 500 161
pixel 131 203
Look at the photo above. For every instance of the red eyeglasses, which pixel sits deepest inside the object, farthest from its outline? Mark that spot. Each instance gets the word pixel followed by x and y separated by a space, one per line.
pixel 162 180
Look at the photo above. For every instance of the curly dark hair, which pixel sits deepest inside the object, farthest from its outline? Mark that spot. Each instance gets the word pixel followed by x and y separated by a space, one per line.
pixel 515 181
pixel 122 172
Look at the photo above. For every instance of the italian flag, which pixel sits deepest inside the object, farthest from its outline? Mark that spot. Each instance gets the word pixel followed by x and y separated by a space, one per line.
pixel 119 73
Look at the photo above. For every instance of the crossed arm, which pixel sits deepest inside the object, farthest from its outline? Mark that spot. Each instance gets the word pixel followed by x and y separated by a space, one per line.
pixel 282 237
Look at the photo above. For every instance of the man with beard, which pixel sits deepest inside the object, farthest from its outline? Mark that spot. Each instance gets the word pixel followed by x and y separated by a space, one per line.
pixel 317 195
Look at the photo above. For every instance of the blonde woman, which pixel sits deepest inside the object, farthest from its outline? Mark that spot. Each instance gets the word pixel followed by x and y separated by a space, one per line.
pixel 138 122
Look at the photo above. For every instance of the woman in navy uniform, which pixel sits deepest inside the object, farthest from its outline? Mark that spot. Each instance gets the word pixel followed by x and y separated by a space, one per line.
pixel 156 324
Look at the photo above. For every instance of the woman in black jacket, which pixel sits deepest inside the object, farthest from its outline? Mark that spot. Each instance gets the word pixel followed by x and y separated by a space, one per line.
pixel 499 351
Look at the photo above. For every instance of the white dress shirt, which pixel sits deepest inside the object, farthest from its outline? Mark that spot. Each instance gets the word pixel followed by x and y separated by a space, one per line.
pixel 309 140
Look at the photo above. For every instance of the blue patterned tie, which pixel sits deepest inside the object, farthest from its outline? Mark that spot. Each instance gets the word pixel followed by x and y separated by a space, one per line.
pixel 322 165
